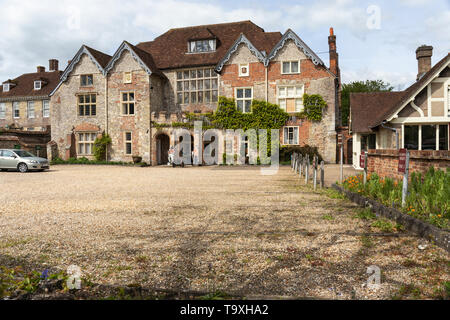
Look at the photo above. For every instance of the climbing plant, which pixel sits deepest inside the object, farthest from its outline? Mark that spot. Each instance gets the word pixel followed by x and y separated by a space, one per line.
pixel 313 106
pixel 100 145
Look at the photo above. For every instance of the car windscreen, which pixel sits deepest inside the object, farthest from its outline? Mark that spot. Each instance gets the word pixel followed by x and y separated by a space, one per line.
pixel 23 154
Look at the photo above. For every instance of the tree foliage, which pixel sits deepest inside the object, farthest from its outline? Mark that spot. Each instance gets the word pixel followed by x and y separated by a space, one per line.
pixel 359 86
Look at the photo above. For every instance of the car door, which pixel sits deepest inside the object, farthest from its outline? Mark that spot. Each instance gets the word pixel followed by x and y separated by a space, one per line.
pixel 1 159
pixel 9 159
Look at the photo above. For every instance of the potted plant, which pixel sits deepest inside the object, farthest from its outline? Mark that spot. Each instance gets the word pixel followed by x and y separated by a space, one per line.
pixel 137 159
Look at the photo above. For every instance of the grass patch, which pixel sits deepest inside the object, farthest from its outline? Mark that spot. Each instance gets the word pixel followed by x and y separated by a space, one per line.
pixel 408 291
pixel 365 214
pixel 333 193
pixel 367 242
pixel 327 217
pixel 384 225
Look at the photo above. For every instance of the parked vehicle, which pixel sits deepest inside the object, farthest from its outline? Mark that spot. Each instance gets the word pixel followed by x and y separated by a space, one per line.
pixel 21 160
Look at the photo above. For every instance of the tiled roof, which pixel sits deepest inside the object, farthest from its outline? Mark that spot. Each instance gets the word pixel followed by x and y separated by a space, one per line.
pixel 367 108
pixel 25 85
pixel 101 57
pixel 170 49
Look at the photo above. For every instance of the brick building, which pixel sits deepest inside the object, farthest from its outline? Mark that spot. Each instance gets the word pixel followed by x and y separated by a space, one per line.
pixel 417 118
pixel 25 108
pixel 185 70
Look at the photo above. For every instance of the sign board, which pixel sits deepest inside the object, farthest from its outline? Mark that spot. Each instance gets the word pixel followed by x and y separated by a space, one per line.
pixel 38 147
pixel 362 160
pixel 402 160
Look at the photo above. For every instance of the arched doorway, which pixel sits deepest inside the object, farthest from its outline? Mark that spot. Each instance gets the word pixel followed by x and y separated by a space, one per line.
pixel 162 148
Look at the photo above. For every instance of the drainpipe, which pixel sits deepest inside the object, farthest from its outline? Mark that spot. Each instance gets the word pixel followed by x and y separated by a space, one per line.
pixel 150 121
pixel 267 85
pixel 106 113
pixel 392 129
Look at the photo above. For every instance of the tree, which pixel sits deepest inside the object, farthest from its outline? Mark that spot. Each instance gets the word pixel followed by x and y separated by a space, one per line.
pixel 359 86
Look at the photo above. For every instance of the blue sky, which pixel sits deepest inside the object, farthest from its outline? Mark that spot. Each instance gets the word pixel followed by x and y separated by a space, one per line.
pixel 369 48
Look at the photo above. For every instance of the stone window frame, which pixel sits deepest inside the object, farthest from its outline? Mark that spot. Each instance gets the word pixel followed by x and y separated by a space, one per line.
pixel 45 108
pixel 244 65
pixel 90 141
pixel 298 96
pixel 128 77
pixel 30 110
pixel 84 104
pixel 125 104
pixel 2 110
pixel 244 98
pixel 293 138
pixel 16 107
pixel 128 142
pixel 185 92
pixel 86 76
pixel 290 66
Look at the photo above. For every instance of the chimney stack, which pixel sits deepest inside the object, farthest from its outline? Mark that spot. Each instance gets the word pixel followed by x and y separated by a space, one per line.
pixel 40 69
pixel 423 56
pixel 334 57
pixel 53 65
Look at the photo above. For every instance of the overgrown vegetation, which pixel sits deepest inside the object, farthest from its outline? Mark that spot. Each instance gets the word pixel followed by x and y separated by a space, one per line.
pixel 427 199
pixel 100 146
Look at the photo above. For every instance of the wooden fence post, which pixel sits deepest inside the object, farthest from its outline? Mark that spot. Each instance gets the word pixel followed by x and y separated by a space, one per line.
pixel 365 167
pixel 315 172
pixel 307 169
pixel 405 180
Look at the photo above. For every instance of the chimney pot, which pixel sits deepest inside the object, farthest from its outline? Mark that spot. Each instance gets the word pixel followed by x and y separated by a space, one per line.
pixel 331 31
pixel 423 56
pixel 53 65
pixel 40 69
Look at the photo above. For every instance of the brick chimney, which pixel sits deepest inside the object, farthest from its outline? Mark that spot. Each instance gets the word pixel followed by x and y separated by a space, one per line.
pixel 53 65
pixel 334 57
pixel 423 56
pixel 40 69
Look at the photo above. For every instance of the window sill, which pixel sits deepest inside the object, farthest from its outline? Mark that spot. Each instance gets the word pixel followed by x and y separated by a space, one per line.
pixel 290 73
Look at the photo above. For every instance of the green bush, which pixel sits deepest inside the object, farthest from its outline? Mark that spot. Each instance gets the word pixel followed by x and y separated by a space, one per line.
pixel 286 151
pixel 100 147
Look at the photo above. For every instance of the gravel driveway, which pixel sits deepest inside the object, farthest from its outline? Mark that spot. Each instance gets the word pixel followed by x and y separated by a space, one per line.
pixel 207 229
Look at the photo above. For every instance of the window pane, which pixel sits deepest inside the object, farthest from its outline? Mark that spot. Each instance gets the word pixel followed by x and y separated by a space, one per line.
pixel 186 85
pixel 294 66
pixel 186 74
pixel 128 136
pixel 285 135
pixel 207 96
pixel 87 98
pixel 207 84
pixel 93 110
pixel 193 74
pixel 299 91
pixel 90 80
pixel 131 96
pixel 128 148
pixel 290 91
pixel 248 93
pixel 93 98
pixel 248 104
pixel 81 99
pixel 87 110
pixel 179 98
pixel 131 108
pixel 443 137
pixel 193 84
pixel 200 96
pixel 186 97
pixel 124 97
pixel 179 86
pixel 93 136
pixel 429 137
pixel 207 73
pixel 200 73
pixel 295 135
pixel 200 84
pixel 124 108
pixel 80 148
pixel 193 97
pixel 411 137
pixel 214 83
pixel 80 111
pixel 179 75
pixel 214 96
pixel 282 91
pixel 285 67
pixel 283 104
pixel 240 105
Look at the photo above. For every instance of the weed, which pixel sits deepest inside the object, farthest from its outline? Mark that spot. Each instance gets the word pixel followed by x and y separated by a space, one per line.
pixel 384 225
pixel 365 214
pixel 327 217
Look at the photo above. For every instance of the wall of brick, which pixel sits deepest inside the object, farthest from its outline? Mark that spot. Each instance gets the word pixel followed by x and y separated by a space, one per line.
pixel 385 162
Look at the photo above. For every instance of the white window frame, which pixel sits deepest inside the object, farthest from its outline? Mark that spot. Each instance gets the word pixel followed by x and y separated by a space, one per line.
pixel 244 74
pixel 130 141
pixel 244 98
pixel 419 132
pixel 2 110
pixel 127 77
pixel 298 96
pixel 125 104
pixel 293 131
pixel 290 66
pixel 6 87
pixel 91 136
pixel 30 115
pixel 192 45
pixel 45 108
pixel 16 107
pixel 38 85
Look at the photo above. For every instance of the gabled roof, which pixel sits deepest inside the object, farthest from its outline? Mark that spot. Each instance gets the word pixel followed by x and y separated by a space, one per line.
pixel 242 39
pixel 24 85
pixel 367 108
pixel 370 109
pixel 291 35
pixel 169 50
pixel 144 59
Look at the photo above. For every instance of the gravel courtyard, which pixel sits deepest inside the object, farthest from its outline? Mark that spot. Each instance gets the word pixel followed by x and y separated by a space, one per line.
pixel 207 229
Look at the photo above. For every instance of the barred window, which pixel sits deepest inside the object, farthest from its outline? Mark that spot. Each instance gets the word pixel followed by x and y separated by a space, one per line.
pixel 87 105
pixel 86 143
pixel 127 103
pixel 197 86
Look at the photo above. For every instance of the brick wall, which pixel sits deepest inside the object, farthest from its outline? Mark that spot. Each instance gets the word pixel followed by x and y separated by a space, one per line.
pixel 385 161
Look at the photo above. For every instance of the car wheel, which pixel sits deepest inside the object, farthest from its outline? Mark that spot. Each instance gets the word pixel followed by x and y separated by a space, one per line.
pixel 22 167
pixel 4 169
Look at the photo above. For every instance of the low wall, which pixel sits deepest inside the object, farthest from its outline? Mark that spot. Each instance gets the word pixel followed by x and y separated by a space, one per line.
pixel 385 161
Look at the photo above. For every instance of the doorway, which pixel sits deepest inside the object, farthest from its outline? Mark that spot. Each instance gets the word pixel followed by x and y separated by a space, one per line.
pixel 162 148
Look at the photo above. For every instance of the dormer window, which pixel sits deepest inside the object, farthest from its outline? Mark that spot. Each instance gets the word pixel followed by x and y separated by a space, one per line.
pixel 202 46
pixel 5 87
pixel 37 85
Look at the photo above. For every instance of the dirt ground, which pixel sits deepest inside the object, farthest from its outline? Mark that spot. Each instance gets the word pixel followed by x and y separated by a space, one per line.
pixel 228 229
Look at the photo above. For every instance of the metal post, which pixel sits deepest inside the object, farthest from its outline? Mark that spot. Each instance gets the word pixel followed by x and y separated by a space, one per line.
pixel 307 169
pixel 300 165
pixel 365 167
pixel 405 180
pixel 315 172
pixel 341 164
pixel 322 174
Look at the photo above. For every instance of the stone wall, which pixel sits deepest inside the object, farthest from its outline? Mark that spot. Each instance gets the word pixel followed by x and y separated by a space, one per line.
pixel 34 142
pixel 385 162
pixel 38 123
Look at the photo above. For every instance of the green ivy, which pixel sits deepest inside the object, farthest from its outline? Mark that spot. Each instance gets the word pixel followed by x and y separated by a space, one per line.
pixel 314 105
pixel 100 145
